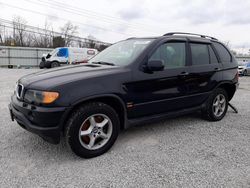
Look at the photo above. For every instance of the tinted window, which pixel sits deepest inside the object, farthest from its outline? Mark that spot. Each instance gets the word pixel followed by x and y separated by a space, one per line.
pixel 172 54
pixel 223 52
pixel 213 58
pixel 200 54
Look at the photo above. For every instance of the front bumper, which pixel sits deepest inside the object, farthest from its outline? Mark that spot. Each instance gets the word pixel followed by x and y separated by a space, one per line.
pixel 45 64
pixel 43 121
pixel 240 71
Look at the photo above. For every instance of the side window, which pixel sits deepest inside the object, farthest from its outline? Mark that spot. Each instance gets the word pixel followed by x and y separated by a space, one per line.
pixel 223 52
pixel 213 58
pixel 62 52
pixel 173 54
pixel 200 54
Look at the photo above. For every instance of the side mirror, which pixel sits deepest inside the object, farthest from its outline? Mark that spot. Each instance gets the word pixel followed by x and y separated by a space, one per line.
pixel 155 65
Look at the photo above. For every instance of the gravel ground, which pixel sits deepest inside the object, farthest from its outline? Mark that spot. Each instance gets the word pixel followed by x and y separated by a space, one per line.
pixel 181 152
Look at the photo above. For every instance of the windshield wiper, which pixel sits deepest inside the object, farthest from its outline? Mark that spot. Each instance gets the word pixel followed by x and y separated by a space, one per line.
pixel 103 63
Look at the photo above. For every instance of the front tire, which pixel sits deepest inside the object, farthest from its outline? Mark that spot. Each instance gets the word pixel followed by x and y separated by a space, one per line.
pixel 55 64
pixel 245 73
pixel 216 106
pixel 41 65
pixel 92 129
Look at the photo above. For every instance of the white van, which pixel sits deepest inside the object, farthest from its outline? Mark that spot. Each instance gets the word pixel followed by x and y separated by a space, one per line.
pixel 67 55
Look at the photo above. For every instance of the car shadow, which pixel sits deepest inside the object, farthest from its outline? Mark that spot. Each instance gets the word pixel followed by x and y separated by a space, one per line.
pixel 38 149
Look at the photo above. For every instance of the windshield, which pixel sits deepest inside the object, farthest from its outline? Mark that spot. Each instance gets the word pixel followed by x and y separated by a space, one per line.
pixel 121 53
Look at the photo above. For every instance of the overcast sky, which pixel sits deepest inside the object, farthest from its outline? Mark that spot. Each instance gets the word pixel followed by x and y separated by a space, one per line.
pixel 114 20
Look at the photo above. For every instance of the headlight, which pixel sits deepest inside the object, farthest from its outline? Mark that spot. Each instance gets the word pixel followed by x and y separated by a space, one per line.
pixel 44 97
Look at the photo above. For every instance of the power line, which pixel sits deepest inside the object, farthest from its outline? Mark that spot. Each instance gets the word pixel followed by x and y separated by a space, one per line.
pixel 84 12
pixel 50 31
pixel 74 38
pixel 91 12
pixel 36 12
pixel 98 14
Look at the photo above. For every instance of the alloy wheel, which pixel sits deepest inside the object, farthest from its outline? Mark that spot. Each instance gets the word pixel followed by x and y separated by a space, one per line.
pixel 219 105
pixel 95 131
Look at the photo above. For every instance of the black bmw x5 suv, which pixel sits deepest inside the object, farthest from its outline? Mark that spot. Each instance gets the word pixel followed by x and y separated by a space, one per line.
pixel 133 81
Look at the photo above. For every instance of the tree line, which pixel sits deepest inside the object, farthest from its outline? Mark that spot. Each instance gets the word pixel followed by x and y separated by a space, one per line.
pixel 18 33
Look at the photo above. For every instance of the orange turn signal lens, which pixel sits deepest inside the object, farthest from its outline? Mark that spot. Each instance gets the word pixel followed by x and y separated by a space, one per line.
pixel 49 97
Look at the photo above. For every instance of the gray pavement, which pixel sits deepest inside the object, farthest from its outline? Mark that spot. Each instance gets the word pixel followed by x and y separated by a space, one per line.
pixel 182 152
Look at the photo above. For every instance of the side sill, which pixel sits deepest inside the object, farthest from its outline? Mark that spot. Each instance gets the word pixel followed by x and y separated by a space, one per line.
pixel 159 117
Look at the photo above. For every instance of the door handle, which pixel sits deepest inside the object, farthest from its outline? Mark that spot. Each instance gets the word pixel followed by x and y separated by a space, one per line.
pixel 184 74
pixel 217 69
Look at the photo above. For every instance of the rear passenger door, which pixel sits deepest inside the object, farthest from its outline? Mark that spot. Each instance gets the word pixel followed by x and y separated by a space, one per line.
pixel 204 72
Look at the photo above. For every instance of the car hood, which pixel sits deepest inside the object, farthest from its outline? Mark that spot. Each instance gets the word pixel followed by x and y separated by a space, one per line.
pixel 58 76
pixel 241 67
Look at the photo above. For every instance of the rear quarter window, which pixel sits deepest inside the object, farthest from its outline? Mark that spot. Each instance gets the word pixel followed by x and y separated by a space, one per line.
pixel 213 58
pixel 225 56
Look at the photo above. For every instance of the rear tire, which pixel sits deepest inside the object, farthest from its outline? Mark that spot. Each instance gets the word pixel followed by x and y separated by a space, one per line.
pixel 216 106
pixel 92 129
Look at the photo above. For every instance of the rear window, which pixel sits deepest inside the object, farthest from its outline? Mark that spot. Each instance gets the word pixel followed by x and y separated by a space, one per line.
pixel 223 52
pixel 200 54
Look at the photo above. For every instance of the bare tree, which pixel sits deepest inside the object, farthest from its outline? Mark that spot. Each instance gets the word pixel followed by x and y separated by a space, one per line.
pixel 228 44
pixel 47 37
pixel 1 34
pixel 91 41
pixel 19 30
pixel 18 33
pixel 68 31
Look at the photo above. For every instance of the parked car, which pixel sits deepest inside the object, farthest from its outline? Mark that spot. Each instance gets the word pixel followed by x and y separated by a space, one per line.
pixel 244 68
pixel 67 55
pixel 134 81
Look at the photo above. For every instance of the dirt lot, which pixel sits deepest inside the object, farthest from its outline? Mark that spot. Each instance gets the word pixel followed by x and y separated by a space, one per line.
pixel 181 152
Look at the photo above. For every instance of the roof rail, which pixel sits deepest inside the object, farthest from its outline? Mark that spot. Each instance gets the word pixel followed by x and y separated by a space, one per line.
pixel 130 38
pixel 180 33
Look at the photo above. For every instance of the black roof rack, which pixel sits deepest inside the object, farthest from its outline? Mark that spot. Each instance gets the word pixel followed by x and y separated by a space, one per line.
pixel 180 33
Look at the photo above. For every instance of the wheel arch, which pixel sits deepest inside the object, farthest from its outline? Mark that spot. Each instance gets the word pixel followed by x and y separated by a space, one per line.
pixel 55 61
pixel 229 87
pixel 110 99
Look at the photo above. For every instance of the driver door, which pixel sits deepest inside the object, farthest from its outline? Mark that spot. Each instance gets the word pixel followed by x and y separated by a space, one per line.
pixel 161 91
